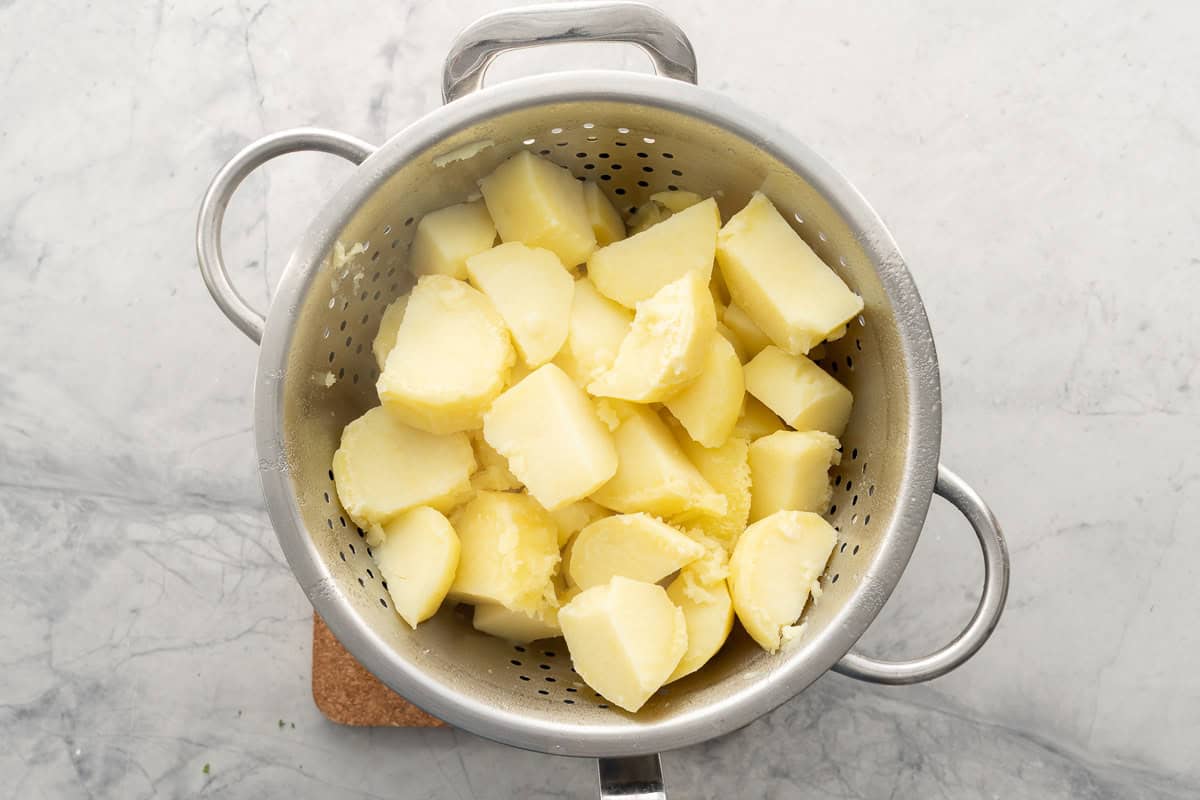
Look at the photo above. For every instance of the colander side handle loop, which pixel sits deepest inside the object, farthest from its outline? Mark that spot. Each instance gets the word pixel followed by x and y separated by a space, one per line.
pixel 220 192
pixel 588 21
pixel 987 613
pixel 632 778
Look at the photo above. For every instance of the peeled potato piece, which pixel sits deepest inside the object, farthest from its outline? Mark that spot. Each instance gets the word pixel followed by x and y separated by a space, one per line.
pixel 389 326
pixel 493 473
pixel 447 237
pixel 575 517
pixel 516 626
pixel 625 638
pixel 727 470
pixel 752 339
pixel 804 395
pixel 775 566
pixel 635 546
pixel 676 200
pixel 708 407
pixel 708 614
pixel 606 222
pixel 418 558
pixel 757 421
pixel 790 470
pixel 596 329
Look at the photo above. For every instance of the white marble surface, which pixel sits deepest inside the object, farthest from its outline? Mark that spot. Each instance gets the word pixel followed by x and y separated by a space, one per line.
pixel 1040 165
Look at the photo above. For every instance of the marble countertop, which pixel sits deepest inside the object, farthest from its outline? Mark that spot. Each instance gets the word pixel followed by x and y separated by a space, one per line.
pixel 1039 165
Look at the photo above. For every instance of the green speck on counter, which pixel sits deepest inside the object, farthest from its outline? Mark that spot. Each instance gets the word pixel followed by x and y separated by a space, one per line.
pixel 281 723
pixel 206 768
pixel 293 726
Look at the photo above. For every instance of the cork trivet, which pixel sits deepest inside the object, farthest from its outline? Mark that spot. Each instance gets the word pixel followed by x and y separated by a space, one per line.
pixel 347 694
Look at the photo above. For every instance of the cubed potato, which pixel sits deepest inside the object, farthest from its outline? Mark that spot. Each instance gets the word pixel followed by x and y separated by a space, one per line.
pixel 756 421
pixel 804 395
pixel 548 430
pixel 575 517
pixel 720 292
pixel 676 200
pixel 635 546
pixel 753 340
pixel 596 329
pixel 516 626
pixel 625 639
pixel 653 475
pixel 389 326
pixel 606 222
pixel 710 568
pixel 727 470
pixel 418 558
pixel 708 614
pixel 384 467
pixel 451 358
pixel 636 268
pixel 532 292
pixel 777 563
pixel 709 406
pixel 779 281
pixel 790 470
pixel 646 216
pixel 446 238
pixel 492 473
pixel 509 552
pixel 537 202
pixel 666 347
pixel 732 338
pixel 612 412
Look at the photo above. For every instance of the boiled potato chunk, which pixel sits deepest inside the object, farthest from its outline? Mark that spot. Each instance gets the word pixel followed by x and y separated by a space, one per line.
pixel 653 475
pixel 731 337
pixel 446 238
pixel 493 473
pixel 667 346
pixel 790 470
pixel 384 467
pixel 779 281
pixel 709 406
pixel 635 546
pixel 596 329
pixel 757 421
pixel 548 430
pixel 532 292
pixel 804 395
pixel 537 202
pixel 727 470
pixel 646 217
pixel 676 200
pixel 753 340
pixel 418 558
pixel 636 268
pixel 606 222
pixel 708 614
pixel 389 326
pixel 776 565
pixel 516 626
pixel 625 639
pixel 451 358
pixel 612 412
pixel 575 517
pixel 509 552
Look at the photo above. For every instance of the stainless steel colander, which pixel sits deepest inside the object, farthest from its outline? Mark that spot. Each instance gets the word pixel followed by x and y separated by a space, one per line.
pixel 635 135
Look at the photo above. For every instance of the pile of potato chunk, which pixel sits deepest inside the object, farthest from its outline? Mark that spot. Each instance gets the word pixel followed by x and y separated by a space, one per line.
pixel 594 434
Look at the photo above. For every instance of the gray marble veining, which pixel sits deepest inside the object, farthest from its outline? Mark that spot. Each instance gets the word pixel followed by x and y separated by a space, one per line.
pixel 1039 165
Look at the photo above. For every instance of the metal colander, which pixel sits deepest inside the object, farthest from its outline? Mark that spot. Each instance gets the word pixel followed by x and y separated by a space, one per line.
pixel 634 135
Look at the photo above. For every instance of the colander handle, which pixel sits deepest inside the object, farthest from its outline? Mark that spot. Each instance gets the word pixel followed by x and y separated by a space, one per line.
pixel 220 192
pixel 529 26
pixel 987 613
pixel 632 778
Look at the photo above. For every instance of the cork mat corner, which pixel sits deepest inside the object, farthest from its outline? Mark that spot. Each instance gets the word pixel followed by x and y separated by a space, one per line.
pixel 346 693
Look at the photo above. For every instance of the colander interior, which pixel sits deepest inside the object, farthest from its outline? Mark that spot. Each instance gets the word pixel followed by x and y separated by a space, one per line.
pixel 631 150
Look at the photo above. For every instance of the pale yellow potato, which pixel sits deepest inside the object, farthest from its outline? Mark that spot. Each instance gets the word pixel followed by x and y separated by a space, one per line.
pixel 509 552
pixel 750 335
pixel 636 268
pixel 612 412
pixel 710 568
pixel 635 546
pixel 790 470
pixel 625 639
pixel 418 558
pixel 547 429
pixel 384 467
pixel 709 407
pixel 516 626
pixel 805 396
pixel 537 202
pixel 532 292
pixel 676 200
pixel 446 238
pixel 727 470
pixel 606 222
pixel 451 358
pixel 779 281
pixel 731 337
pixel 776 565
pixel 757 421
pixel 596 329
pixel 653 475
pixel 708 614
pixel 493 473
pixel 575 517
pixel 667 345
pixel 647 216
pixel 720 292
pixel 389 326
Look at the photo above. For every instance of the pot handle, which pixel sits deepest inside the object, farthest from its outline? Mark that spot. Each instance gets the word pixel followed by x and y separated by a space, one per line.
pixel 987 613
pixel 478 44
pixel 220 192
pixel 632 778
